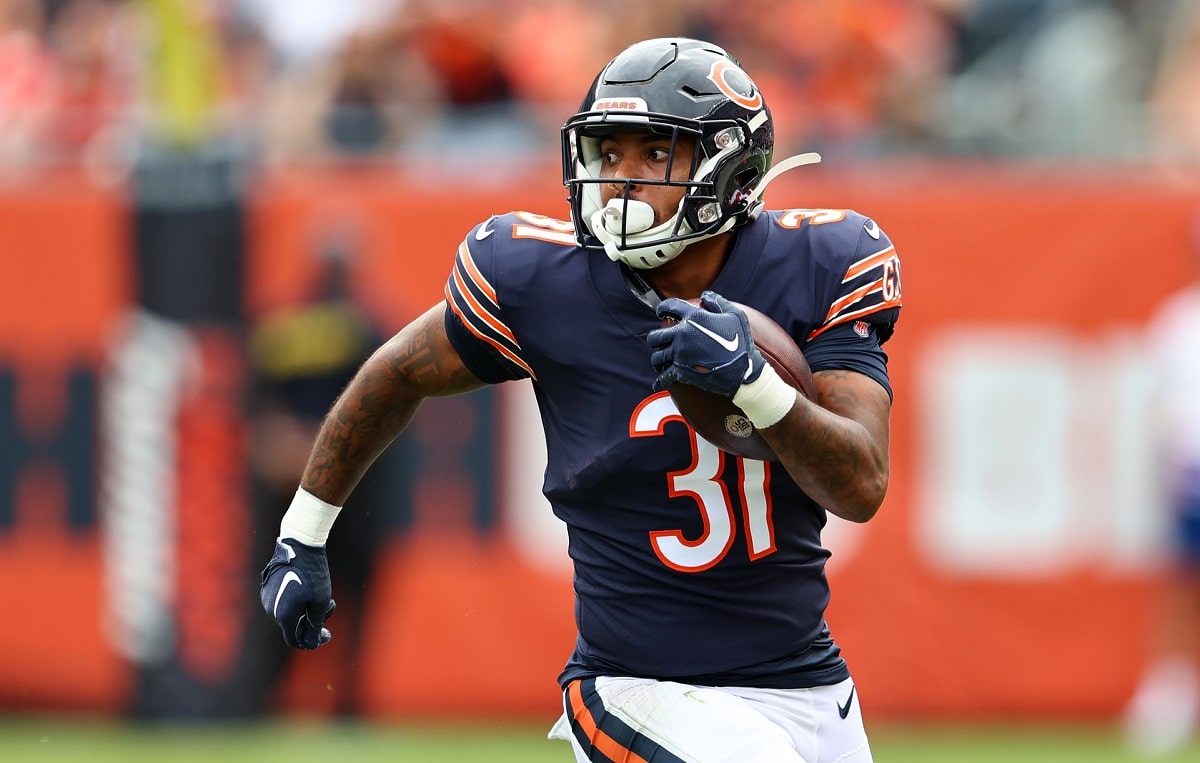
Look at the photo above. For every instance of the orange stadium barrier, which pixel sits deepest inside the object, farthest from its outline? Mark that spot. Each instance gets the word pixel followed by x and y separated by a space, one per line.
pixel 67 276
pixel 1009 574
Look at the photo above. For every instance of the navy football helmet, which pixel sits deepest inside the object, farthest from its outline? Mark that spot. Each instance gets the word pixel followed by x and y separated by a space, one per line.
pixel 674 87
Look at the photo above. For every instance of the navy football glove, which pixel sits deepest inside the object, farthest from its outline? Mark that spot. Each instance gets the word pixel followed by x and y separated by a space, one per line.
pixel 297 593
pixel 708 346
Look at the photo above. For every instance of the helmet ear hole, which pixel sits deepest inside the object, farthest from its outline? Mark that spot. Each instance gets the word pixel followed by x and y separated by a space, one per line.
pixel 734 182
pixel 743 183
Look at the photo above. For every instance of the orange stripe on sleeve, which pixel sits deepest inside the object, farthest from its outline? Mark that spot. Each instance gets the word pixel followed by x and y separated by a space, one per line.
pixel 873 261
pixel 853 297
pixel 480 311
pixel 603 742
pixel 851 316
pixel 476 276
pixel 484 337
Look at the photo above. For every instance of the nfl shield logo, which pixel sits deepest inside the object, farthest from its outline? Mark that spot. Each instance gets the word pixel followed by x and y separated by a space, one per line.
pixel 862 329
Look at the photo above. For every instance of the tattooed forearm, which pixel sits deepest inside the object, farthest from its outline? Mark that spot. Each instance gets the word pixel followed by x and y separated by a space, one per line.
pixel 367 416
pixel 380 402
pixel 837 449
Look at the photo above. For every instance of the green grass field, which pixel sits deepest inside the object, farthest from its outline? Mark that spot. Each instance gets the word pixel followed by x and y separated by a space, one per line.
pixel 37 739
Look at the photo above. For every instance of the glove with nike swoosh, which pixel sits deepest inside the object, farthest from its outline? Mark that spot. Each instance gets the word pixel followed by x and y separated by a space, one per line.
pixel 296 592
pixel 709 346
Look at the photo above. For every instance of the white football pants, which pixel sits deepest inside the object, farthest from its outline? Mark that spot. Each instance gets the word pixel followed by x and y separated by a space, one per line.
pixel 636 720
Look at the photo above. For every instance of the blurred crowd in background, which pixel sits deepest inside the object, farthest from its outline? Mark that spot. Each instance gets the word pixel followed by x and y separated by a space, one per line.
pixel 396 80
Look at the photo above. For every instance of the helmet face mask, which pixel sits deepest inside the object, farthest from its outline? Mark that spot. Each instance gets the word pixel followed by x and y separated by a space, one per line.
pixel 673 87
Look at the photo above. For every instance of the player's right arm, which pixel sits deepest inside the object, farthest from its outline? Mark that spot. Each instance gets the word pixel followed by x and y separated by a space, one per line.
pixel 416 363
pixel 375 407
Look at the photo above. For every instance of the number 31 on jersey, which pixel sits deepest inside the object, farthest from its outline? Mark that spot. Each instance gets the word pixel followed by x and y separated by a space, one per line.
pixel 701 482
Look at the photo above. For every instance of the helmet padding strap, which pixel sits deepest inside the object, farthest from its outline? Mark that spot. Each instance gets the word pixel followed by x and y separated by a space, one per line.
pixel 791 163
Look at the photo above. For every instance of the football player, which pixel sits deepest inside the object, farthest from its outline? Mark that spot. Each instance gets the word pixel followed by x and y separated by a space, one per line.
pixel 699 576
pixel 1163 713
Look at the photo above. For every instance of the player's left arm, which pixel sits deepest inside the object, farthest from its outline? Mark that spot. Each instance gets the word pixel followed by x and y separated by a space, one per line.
pixel 836 447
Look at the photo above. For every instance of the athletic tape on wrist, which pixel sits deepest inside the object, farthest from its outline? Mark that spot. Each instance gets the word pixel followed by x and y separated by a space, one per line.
pixel 308 519
pixel 767 399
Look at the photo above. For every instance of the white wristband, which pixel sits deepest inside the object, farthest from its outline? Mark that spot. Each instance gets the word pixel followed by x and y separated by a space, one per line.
pixel 308 519
pixel 767 399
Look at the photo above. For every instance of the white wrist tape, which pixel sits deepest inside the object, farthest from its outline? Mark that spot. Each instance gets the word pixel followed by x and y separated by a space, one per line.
pixel 308 519
pixel 767 399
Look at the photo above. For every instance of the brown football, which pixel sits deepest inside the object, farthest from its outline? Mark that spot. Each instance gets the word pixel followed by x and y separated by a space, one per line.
pixel 722 423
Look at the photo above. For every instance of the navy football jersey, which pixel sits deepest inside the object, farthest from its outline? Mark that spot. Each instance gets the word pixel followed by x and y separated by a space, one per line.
pixel 690 563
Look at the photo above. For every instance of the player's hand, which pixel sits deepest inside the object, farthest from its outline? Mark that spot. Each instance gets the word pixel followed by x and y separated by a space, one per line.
pixel 709 346
pixel 297 593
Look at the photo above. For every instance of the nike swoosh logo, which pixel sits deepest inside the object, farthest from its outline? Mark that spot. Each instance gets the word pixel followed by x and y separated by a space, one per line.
pixel 872 229
pixel 844 711
pixel 729 344
pixel 485 231
pixel 292 577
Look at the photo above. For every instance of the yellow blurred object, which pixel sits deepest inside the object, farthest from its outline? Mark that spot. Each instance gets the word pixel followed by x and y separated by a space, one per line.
pixel 310 340
pixel 183 73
